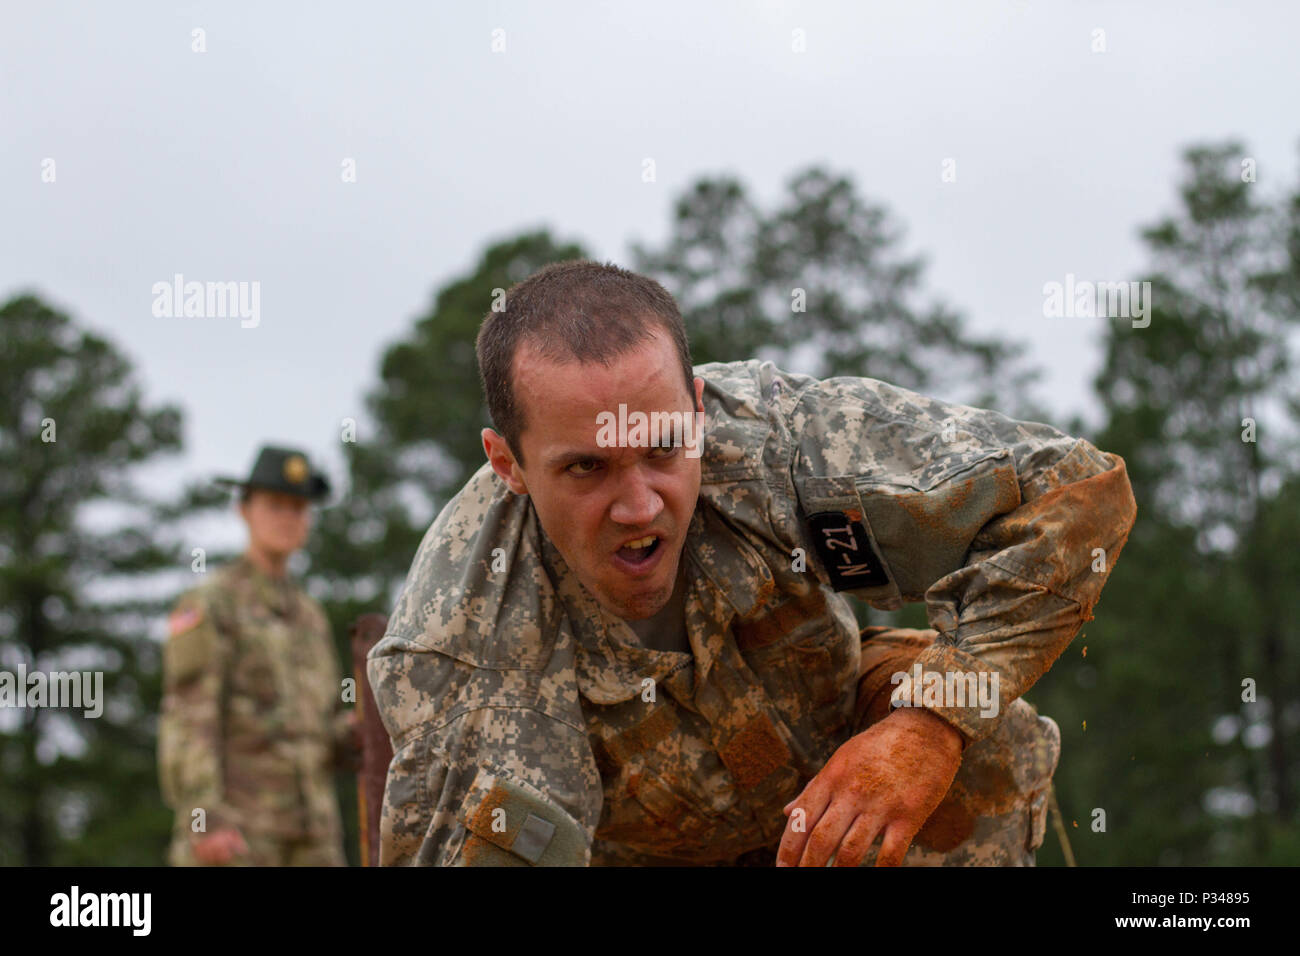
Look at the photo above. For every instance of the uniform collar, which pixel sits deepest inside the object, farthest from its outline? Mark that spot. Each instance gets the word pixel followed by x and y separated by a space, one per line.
pixel 611 661
pixel 725 578
pixel 275 593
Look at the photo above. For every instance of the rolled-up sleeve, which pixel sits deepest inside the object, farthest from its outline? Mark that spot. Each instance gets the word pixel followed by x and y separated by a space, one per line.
pixel 1007 530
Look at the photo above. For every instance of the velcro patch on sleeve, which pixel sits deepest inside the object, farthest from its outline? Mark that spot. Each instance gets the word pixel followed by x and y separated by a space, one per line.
pixel 504 814
pixel 845 550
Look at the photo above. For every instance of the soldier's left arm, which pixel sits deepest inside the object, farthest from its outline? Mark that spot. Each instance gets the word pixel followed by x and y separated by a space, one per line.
pixel 345 752
pixel 1006 529
pixel 346 737
pixel 347 746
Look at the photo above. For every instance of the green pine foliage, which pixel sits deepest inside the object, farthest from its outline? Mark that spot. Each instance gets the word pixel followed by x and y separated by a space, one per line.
pixel 77 539
pixel 1204 596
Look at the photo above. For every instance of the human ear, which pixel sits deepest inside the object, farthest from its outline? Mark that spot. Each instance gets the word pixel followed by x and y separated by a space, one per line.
pixel 503 461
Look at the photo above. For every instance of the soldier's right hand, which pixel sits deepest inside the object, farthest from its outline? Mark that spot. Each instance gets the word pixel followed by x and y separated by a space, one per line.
pixel 219 846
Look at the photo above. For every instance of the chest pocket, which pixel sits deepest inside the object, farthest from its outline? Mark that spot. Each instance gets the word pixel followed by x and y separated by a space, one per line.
pixel 651 815
pixel 657 774
pixel 258 671
pixel 312 677
pixel 799 651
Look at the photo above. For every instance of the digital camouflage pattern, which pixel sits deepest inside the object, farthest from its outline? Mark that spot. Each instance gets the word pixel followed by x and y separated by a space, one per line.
pixel 253 723
pixel 530 725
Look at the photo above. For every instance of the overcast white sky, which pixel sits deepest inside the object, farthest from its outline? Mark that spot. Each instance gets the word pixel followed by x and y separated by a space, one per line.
pixel 225 165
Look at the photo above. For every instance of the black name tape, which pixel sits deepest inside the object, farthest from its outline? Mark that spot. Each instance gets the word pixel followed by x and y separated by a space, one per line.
pixel 845 550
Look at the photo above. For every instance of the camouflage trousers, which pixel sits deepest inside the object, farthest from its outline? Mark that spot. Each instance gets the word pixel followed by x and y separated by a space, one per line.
pixel 995 812
pixel 268 850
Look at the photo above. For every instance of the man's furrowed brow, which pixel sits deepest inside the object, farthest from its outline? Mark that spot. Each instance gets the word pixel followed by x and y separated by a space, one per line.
pixel 562 459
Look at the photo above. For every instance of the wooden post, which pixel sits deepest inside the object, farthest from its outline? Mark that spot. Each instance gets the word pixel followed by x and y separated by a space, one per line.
pixel 376 752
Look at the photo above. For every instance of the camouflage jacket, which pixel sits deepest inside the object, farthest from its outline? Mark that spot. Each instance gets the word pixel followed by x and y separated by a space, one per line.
pixel 252 717
pixel 531 726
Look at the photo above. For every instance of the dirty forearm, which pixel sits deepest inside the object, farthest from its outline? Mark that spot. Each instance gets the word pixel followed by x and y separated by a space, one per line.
pixel 1031 581
pixel 1006 529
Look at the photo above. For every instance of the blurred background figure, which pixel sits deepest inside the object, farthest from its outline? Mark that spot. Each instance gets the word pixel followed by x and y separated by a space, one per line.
pixel 253 722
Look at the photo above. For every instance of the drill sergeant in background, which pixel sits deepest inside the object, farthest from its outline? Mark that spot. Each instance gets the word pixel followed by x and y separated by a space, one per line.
pixel 641 655
pixel 253 723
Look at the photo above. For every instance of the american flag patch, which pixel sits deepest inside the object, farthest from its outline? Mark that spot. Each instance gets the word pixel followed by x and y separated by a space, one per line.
pixel 182 619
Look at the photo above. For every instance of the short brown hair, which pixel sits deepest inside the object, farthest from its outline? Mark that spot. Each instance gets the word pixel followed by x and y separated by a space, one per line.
pixel 572 310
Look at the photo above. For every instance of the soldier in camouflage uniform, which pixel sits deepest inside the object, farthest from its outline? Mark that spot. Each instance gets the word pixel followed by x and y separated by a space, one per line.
pixel 643 654
pixel 252 719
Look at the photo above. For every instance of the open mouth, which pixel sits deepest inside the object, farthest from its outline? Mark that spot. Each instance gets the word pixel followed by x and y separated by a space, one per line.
pixel 634 552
